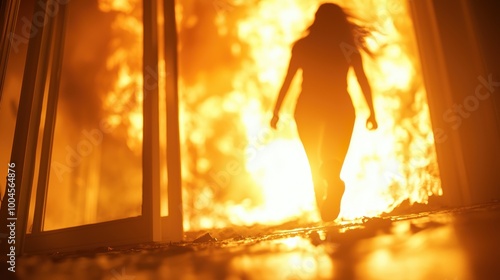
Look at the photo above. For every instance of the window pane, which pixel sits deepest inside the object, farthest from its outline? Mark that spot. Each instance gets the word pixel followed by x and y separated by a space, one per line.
pixel 96 167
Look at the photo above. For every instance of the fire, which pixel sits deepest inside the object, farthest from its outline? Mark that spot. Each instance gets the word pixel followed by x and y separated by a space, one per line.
pixel 236 170
pixel 124 102
pixel 99 117
pixel 383 168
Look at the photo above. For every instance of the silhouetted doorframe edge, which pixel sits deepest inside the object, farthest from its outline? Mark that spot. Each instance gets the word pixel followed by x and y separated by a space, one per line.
pixel 461 152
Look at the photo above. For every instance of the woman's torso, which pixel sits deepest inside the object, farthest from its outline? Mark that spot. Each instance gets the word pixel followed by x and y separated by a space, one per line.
pixel 324 71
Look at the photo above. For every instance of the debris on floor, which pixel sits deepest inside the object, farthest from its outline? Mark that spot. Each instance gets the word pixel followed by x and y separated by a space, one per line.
pixel 450 244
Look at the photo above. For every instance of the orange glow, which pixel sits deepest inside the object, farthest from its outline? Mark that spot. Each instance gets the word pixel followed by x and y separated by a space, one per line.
pixel 294 258
pixel 385 167
pixel 236 170
pixel 393 257
pixel 124 102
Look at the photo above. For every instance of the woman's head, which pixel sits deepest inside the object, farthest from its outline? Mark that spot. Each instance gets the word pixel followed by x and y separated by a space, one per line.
pixel 330 22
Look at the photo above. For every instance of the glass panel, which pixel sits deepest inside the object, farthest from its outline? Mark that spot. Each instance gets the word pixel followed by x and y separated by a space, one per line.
pixel 96 167
pixel 9 97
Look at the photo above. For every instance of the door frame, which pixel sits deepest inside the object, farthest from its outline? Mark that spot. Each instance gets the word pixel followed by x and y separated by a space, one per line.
pixel 41 80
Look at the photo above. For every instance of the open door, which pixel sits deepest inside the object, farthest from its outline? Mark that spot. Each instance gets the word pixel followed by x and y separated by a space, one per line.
pixel 87 148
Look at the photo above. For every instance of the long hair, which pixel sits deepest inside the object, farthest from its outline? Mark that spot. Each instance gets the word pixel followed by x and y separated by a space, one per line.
pixel 331 25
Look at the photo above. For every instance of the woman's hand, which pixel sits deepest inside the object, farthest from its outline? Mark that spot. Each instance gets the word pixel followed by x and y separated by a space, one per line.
pixel 274 121
pixel 371 122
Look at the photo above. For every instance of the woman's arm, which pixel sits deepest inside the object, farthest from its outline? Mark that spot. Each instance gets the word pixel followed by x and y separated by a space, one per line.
pixel 357 64
pixel 292 69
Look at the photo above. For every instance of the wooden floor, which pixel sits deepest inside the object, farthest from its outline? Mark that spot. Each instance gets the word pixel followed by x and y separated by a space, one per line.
pixel 452 244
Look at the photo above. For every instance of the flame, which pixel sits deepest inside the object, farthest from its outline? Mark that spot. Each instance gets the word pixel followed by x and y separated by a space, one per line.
pixel 123 103
pixel 383 168
pixel 236 170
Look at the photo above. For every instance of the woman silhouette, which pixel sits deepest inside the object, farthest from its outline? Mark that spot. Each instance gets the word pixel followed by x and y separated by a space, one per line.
pixel 324 112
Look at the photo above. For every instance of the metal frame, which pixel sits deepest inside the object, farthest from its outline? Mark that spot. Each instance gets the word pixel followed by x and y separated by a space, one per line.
pixel 42 72
pixel 173 142
pixel 8 10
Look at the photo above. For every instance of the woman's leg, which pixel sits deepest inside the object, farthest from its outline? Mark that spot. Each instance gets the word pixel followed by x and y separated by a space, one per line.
pixel 310 130
pixel 336 140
